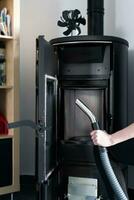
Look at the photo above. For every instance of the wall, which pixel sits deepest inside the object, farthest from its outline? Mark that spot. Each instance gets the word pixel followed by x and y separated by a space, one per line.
pixel 40 18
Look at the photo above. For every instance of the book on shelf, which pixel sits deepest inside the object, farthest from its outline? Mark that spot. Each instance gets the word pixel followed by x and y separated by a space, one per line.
pixel 2 65
pixel 2 74
pixel 5 23
pixel 2 51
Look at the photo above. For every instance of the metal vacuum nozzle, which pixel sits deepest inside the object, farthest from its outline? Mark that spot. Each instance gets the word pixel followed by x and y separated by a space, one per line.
pixel 86 110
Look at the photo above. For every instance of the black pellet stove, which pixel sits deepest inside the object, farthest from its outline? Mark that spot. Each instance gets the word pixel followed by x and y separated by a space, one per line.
pixel 91 68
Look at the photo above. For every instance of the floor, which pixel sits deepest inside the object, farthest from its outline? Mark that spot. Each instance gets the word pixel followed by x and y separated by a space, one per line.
pixel 27 192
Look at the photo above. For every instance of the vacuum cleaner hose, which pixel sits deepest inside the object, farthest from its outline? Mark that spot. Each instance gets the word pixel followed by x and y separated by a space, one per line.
pixel 112 185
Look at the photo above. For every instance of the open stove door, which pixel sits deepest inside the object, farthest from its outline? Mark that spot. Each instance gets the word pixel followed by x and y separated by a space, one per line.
pixel 46 116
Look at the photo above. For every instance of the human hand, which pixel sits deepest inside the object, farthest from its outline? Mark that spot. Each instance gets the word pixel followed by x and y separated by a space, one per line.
pixel 101 138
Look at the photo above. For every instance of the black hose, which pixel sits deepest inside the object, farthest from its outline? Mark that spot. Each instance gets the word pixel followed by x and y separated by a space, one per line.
pixel 114 190
pixel 112 185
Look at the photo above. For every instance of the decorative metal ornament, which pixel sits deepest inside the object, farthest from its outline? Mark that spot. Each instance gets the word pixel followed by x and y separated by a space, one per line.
pixel 72 20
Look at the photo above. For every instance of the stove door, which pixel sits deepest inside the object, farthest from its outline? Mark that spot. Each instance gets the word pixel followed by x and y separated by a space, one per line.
pixel 46 110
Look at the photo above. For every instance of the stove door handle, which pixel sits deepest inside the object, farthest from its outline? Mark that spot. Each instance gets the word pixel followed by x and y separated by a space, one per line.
pixel 54 80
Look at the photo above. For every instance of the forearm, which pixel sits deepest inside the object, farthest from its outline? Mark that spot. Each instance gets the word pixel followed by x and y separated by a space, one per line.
pixel 123 135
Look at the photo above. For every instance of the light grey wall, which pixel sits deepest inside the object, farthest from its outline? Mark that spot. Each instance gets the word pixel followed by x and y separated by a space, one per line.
pixel 109 17
pixel 40 18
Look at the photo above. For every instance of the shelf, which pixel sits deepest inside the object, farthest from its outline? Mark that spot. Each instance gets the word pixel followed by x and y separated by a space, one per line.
pixel 5 37
pixel 3 136
pixel 6 87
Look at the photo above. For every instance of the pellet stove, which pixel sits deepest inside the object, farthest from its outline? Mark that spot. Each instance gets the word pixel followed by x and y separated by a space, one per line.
pixel 91 68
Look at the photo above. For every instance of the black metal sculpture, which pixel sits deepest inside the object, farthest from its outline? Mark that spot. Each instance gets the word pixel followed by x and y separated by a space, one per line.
pixel 72 20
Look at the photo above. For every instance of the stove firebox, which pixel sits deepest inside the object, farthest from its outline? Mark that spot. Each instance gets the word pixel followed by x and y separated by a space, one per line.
pixel 90 68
